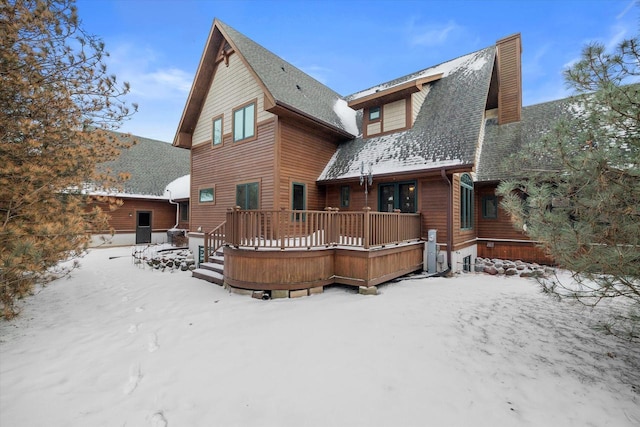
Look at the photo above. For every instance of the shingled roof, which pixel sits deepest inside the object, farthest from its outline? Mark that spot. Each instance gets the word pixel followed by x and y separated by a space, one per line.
pixel 501 141
pixel 289 86
pixel 285 86
pixel 152 164
pixel 446 130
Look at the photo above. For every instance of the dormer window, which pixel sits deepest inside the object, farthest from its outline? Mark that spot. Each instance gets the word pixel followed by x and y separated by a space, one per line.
pixel 374 114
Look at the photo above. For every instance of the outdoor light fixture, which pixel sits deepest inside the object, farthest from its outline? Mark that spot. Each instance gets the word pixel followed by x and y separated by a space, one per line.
pixel 366 180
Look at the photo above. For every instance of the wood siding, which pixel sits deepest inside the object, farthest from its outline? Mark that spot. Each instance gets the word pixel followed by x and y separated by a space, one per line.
pixel 123 219
pixel 417 99
pixel 524 251
pixel 303 155
pixel 460 237
pixel 433 199
pixel 226 166
pixel 374 128
pixel 394 115
pixel 509 79
pixel 495 228
pixel 232 86
pixel 294 270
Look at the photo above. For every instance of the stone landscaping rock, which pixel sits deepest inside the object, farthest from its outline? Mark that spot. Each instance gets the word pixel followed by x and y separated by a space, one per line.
pixel 491 270
pixel 511 272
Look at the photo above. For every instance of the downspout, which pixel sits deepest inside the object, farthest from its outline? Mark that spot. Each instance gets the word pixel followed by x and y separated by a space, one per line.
pixel 177 209
pixel 443 174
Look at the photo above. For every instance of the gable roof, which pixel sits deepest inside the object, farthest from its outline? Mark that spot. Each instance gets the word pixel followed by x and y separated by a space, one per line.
pixel 501 141
pixel 152 164
pixel 446 130
pixel 284 85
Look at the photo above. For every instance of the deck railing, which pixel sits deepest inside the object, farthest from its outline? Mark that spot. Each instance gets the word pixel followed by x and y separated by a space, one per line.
pixel 214 240
pixel 286 229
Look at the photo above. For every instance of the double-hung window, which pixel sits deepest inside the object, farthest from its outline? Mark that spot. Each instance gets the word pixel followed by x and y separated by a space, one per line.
pixel 244 122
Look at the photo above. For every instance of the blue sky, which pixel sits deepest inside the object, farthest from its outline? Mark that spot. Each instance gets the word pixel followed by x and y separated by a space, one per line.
pixel 348 45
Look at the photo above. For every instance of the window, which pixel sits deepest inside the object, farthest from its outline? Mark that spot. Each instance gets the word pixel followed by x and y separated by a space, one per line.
pixel 374 113
pixel 247 196
pixel 489 207
pixel 298 200
pixel 216 136
pixel 345 196
pixel 207 195
pixel 466 202
pixel 401 195
pixel 184 211
pixel 244 122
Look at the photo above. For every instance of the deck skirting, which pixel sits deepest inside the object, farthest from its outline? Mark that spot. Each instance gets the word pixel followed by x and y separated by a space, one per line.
pixel 304 269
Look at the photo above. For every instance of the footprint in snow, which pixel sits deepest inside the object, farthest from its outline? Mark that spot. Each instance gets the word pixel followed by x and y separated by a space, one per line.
pixel 133 329
pixel 139 309
pixel 153 342
pixel 158 420
pixel 135 375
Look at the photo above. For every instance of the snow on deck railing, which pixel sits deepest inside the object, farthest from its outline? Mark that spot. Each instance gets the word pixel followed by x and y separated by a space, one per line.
pixel 303 229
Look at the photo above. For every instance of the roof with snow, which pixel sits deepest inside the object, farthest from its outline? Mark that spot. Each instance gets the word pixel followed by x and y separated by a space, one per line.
pixel 152 165
pixel 289 86
pixel 502 141
pixel 446 130
pixel 285 85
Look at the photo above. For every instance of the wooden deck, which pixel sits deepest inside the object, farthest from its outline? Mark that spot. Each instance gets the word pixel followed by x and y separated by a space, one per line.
pixel 295 250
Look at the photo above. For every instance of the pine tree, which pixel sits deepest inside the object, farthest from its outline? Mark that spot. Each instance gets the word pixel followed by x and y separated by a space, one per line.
pixel 583 202
pixel 56 95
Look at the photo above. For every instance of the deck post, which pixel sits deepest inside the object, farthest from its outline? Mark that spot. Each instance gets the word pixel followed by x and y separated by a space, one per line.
pixel 397 212
pixel 366 235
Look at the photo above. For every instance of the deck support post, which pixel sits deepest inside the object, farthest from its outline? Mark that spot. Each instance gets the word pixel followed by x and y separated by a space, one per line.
pixel 367 227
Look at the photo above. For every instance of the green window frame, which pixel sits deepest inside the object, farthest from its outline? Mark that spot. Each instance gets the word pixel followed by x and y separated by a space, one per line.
pixel 374 113
pixel 466 202
pixel 216 131
pixel 398 195
pixel 248 196
pixel 244 122
pixel 345 196
pixel 489 207
pixel 207 195
pixel 184 211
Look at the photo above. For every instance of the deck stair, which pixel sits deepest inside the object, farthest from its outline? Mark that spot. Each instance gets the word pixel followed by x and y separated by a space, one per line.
pixel 211 271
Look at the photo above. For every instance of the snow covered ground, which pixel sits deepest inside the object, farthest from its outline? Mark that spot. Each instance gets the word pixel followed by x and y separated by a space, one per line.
pixel 118 345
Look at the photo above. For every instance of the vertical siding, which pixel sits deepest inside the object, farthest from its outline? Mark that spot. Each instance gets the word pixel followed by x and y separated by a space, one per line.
pixel 303 155
pixel 226 166
pixel 510 78
pixel 394 115
pixel 232 86
pixel 433 206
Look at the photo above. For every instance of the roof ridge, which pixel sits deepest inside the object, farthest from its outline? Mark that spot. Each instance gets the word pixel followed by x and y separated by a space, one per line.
pixel 409 77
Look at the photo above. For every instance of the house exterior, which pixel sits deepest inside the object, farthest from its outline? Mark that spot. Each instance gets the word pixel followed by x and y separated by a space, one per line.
pixel 154 199
pixel 264 136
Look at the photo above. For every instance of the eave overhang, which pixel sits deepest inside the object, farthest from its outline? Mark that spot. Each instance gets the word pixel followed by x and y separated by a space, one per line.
pixel 435 171
pixel 393 93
